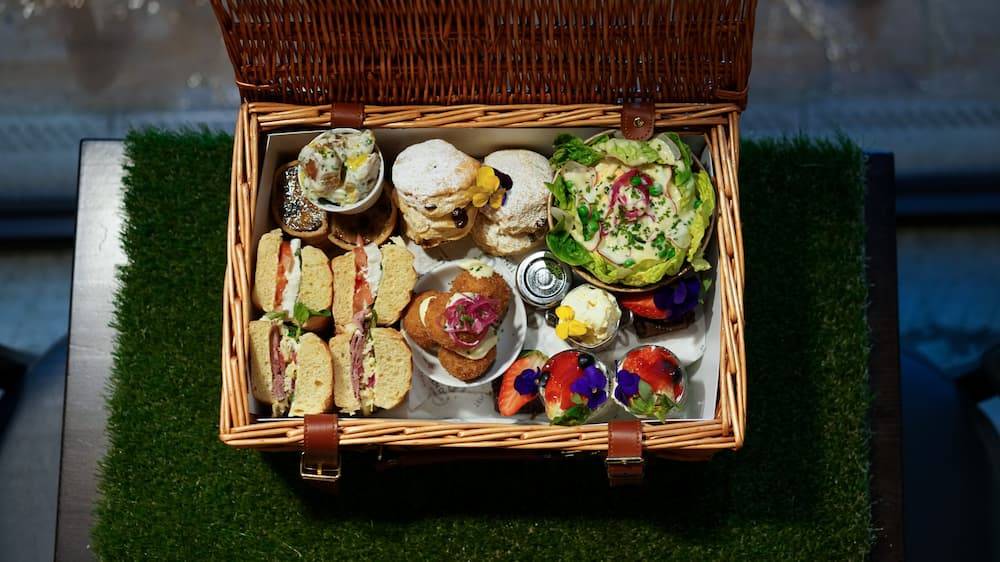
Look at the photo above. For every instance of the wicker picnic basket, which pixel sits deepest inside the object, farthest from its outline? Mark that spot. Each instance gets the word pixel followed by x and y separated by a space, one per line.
pixel 503 63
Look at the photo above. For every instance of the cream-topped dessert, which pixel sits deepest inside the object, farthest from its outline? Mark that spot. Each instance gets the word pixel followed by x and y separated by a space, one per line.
pixel 589 315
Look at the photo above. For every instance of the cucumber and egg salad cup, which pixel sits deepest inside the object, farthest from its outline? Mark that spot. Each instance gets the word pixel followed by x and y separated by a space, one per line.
pixel 342 171
pixel 630 212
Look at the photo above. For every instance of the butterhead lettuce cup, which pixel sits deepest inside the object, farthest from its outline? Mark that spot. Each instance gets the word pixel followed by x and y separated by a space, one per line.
pixel 629 212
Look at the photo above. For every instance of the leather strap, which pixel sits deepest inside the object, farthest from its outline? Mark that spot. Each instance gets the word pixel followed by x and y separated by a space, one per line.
pixel 344 114
pixel 321 452
pixel 624 462
pixel 638 119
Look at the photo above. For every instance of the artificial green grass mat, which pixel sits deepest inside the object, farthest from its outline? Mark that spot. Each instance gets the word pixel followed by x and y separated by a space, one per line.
pixel 798 489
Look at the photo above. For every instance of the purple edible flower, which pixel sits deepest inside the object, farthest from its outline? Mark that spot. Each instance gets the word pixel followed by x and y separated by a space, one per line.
pixel 592 385
pixel 628 386
pixel 527 382
pixel 678 298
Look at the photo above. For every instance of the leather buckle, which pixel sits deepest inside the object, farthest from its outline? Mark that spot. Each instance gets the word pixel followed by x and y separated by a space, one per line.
pixel 318 471
pixel 624 462
pixel 638 120
pixel 343 114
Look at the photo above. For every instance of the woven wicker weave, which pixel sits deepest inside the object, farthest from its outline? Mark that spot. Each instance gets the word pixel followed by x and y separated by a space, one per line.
pixel 289 63
pixel 499 52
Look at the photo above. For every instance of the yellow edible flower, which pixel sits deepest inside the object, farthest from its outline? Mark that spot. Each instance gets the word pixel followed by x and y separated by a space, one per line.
pixel 355 161
pixel 567 326
pixel 487 188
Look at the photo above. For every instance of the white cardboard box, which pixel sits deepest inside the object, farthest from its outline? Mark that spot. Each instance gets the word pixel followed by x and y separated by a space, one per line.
pixel 697 347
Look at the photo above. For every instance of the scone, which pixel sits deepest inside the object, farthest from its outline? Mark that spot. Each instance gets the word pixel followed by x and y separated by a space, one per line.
pixel 430 231
pixel 433 181
pixel 521 221
pixel 490 238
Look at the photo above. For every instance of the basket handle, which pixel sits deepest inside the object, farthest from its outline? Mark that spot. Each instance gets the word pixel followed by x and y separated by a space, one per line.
pixel 624 462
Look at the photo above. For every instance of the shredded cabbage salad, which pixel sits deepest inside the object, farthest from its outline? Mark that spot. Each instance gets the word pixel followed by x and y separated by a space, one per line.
pixel 630 212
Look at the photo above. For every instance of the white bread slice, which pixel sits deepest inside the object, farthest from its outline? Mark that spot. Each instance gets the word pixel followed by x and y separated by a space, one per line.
pixel 266 273
pixel 393 376
pixel 396 287
pixel 343 295
pixel 343 391
pixel 392 295
pixel 395 367
pixel 314 380
pixel 260 360
pixel 316 288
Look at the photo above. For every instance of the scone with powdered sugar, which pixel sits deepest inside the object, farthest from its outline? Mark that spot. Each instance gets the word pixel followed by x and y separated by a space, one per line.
pixel 521 221
pixel 432 181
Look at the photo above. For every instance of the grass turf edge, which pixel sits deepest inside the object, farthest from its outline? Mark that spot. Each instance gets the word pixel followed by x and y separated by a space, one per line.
pixel 170 490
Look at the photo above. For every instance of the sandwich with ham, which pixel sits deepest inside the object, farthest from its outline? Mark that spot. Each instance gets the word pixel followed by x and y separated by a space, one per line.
pixel 290 370
pixel 372 279
pixel 372 366
pixel 292 281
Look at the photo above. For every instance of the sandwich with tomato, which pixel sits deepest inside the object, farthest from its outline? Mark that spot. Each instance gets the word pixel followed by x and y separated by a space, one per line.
pixel 290 276
pixel 371 363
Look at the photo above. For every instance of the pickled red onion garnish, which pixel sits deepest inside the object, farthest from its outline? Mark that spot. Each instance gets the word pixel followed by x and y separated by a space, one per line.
pixel 468 319
pixel 632 209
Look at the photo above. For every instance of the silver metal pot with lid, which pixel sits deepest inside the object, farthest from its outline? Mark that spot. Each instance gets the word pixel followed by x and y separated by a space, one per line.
pixel 542 280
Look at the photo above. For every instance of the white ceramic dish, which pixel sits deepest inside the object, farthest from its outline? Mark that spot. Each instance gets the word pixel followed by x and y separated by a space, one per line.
pixel 367 201
pixel 510 334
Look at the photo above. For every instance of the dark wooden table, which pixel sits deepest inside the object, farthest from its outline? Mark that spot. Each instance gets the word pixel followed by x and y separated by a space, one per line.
pixel 98 253
pixel 883 366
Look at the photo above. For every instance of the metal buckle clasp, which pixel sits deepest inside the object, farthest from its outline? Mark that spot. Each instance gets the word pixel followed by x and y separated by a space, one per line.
pixel 318 471
pixel 623 461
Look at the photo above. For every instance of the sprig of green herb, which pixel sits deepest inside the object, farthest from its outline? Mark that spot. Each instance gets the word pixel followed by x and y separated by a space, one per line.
pixel 575 415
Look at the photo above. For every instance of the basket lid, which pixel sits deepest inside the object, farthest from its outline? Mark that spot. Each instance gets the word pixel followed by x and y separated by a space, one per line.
pixel 398 52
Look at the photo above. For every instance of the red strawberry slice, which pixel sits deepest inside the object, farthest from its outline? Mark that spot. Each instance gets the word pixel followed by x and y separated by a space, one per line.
pixel 564 368
pixel 509 400
pixel 641 304
pixel 653 365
